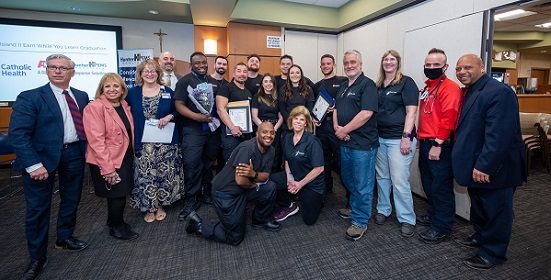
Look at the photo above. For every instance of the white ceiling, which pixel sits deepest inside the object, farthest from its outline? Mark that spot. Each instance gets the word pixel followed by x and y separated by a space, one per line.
pixel 324 3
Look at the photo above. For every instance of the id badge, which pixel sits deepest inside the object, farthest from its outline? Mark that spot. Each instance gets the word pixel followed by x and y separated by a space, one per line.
pixel 203 86
pixel 165 95
pixel 424 95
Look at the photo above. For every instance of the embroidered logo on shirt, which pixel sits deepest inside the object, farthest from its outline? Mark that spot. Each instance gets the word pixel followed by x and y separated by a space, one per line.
pixel 299 153
pixel 351 94
pixel 336 85
pixel 389 92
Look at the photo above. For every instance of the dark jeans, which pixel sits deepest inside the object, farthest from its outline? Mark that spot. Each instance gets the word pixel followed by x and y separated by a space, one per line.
pixel 437 180
pixel 199 148
pixel 311 201
pixel 492 220
pixel 38 197
pixel 231 212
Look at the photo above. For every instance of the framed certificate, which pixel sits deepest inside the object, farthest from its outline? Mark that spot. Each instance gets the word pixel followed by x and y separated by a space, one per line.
pixel 240 115
pixel 323 102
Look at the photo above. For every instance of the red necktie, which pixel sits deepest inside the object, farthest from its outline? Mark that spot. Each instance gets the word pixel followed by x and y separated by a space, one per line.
pixel 77 116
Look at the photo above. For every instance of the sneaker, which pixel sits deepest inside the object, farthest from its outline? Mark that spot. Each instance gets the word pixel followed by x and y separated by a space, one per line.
pixel 431 236
pixel 355 232
pixel 286 212
pixel 424 220
pixel 407 229
pixel 345 213
pixel 380 218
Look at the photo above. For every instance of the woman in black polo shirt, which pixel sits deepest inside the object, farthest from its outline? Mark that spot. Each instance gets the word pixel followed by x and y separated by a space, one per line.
pixel 264 108
pixel 303 175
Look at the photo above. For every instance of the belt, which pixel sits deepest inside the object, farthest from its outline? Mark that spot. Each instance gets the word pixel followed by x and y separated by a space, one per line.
pixel 446 143
pixel 67 145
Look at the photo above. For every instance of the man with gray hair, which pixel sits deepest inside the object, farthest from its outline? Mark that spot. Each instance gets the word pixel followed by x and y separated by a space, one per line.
pixel 355 124
pixel 47 136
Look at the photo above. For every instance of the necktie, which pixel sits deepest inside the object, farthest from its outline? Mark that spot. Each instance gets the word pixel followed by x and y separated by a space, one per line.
pixel 77 116
pixel 167 81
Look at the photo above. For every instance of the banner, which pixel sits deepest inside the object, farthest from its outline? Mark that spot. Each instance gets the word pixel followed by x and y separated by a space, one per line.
pixel 129 60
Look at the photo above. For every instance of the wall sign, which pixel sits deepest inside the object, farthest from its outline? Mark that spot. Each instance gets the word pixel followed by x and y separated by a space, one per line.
pixel 273 42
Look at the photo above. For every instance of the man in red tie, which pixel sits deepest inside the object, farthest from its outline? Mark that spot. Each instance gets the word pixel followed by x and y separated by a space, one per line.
pixel 47 136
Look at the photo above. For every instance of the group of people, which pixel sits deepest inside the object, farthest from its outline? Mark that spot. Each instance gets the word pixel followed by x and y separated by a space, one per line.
pixel 368 136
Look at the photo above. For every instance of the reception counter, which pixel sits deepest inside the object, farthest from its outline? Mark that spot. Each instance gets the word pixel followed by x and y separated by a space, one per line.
pixel 534 103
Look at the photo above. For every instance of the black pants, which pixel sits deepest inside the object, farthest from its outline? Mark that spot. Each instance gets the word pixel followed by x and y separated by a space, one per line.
pixel 229 143
pixel 199 148
pixel 311 201
pixel 231 212
pixel 331 151
pixel 115 211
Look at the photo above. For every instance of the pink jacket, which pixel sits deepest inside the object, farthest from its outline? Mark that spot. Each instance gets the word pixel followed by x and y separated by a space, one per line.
pixel 107 137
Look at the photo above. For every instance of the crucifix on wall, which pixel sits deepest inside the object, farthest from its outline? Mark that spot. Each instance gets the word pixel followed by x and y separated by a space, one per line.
pixel 160 34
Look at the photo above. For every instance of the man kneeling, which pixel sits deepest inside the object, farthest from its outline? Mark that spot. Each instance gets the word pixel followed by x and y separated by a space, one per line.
pixel 243 178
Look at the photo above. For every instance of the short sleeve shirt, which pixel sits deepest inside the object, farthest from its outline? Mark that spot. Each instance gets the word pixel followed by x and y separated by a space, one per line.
pixel 185 86
pixel 303 157
pixel 265 112
pixel 361 95
pixel 285 107
pixel 233 93
pixel 253 84
pixel 247 150
pixel 393 100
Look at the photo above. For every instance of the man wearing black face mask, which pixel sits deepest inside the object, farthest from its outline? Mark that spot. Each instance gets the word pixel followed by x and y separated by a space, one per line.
pixel 438 113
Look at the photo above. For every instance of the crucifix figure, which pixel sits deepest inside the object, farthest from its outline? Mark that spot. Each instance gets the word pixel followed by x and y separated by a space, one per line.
pixel 160 34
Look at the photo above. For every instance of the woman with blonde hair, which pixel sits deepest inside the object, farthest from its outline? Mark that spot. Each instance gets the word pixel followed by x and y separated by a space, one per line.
pixel 109 130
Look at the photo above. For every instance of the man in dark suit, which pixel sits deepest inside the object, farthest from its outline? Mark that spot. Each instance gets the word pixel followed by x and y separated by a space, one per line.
pixel 47 136
pixel 488 158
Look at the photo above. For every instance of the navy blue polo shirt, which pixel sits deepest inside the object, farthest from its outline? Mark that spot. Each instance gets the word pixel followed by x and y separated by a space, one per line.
pixel 303 157
pixel 361 95
pixel 393 100
pixel 245 151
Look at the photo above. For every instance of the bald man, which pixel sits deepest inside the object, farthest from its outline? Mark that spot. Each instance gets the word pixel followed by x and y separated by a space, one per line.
pixel 488 158
pixel 167 60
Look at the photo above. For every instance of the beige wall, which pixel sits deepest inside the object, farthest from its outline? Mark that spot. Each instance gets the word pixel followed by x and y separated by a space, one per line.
pixel 529 61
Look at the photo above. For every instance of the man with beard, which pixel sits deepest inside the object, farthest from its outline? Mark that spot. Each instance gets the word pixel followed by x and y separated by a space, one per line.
pixel 438 109
pixel 232 134
pixel 220 68
pixel 243 179
pixel 254 80
pixel 330 84
pixel 167 60
pixel 199 143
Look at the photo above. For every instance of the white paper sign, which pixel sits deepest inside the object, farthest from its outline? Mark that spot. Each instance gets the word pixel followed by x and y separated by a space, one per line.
pixel 273 42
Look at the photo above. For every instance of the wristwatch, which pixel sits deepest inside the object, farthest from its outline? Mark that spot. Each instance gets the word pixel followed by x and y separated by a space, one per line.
pixel 406 135
pixel 436 144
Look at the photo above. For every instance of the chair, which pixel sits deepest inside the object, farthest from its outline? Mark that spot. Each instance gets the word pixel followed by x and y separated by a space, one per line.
pixel 5 150
pixel 531 135
pixel 545 134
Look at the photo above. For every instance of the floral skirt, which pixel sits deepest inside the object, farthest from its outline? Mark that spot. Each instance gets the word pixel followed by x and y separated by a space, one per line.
pixel 158 176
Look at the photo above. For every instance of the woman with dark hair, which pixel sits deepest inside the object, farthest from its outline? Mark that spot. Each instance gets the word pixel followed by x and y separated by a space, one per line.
pixel 303 175
pixel 109 129
pixel 264 108
pixel 398 99
pixel 158 177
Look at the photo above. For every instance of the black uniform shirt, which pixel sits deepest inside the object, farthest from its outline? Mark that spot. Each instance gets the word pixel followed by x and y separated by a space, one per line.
pixel 285 107
pixel 265 112
pixel 361 95
pixel 233 93
pixel 303 157
pixel 253 84
pixel 393 100
pixel 185 86
pixel 247 150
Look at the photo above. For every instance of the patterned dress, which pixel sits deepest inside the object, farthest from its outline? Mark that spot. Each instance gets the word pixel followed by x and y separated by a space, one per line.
pixel 158 173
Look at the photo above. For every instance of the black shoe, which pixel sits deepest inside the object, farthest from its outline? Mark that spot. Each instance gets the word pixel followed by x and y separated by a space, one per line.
pixel 431 236
pixel 380 218
pixel 194 224
pixel 34 269
pixel 470 242
pixel 478 262
pixel 206 199
pixel 271 225
pixel 71 244
pixel 191 204
pixel 424 220
pixel 123 232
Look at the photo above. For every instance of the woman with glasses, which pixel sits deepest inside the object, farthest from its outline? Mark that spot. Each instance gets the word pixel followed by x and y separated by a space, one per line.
pixel 158 171
pixel 398 102
pixel 109 130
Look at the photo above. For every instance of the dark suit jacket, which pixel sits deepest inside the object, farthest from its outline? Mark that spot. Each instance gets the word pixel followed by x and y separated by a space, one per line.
pixel 36 127
pixel 488 137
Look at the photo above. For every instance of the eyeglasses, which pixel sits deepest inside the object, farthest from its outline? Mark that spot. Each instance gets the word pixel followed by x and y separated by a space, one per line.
pixel 60 68
pixel 149 72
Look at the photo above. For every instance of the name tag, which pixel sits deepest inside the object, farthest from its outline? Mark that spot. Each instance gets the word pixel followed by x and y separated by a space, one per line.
pixel 165 95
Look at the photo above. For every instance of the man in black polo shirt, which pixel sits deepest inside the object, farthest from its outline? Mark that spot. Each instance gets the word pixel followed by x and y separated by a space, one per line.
pixel 199 143
pixel 355 123
pixel 231 92
pixel 331 84
pixel 242 179
pixel 255 79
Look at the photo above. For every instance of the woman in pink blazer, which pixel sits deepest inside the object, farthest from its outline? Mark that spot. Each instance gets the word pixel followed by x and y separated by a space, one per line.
pixel 109 128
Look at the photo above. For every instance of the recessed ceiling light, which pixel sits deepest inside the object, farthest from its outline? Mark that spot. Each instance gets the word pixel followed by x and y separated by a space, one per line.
pixel 514 14
pixel 153 12
pixel 544 25
pixel 73 9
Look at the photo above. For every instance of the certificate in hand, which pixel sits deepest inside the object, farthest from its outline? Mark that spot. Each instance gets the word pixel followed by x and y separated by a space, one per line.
pixel 152 133
pixel 323 102
pixel 240 115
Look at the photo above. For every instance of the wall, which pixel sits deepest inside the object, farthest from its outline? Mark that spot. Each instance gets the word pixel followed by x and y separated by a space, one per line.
pixel 530 60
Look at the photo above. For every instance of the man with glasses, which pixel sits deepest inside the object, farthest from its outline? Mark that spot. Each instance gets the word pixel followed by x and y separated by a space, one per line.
pixel 438 112
pixel 47 136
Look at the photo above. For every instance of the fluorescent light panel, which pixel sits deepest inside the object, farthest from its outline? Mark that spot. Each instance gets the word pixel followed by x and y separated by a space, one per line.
pixel 544 25
pixel 514 14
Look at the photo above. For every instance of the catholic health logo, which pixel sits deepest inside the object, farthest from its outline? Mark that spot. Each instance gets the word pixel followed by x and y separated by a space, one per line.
pixel 14 70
